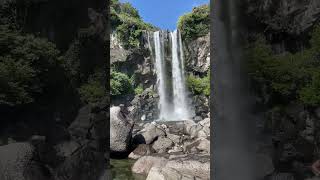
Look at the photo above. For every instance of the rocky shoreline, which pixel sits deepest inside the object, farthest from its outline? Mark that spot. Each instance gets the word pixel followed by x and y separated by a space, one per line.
pixel 163 150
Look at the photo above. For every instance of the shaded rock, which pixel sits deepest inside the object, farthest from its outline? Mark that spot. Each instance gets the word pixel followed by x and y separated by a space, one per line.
pixel 282 176
pixel 148 134
pixel 120 131
pixel 162 144
pixel 65 149
pixel 141 150
pixel 86 163
pixel 16 163
pixel 145 163
pixel 265 166
pixel 80 126
pixel 14 159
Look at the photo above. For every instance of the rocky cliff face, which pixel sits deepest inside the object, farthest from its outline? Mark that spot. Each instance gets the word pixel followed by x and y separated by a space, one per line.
pixel 293 129
pixel 286 23
pixel 140 63
pixel 197 55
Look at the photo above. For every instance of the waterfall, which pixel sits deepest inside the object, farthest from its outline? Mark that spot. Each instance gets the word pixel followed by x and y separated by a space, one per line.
pixel 161 76
pixel 179 90
pixel 233 131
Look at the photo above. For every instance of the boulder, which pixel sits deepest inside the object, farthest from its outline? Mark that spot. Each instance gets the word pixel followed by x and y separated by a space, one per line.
pixel 175 138
pixel 145 163
pixel 163 174
pixel 17 163
pixel 265 167
pixel 148 134
pixel 188 124
pixel 162 144
pixel 193 165
pixel 14 159
pixel 204 145
pixel 141 150
pixel 120 131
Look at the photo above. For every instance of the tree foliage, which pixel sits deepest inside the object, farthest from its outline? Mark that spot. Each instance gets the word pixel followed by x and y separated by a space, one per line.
pixel 286 77
pixel 198 85
pixel 127 23
pixel 26 63
pixel 196 23
pixel 120 84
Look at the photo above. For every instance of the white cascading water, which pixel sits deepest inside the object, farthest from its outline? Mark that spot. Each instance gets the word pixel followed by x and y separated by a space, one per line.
pixel 160 70
pixel 180 103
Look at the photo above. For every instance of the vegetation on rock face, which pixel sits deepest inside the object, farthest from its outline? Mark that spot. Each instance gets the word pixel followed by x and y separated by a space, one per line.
pixel 93 90
pixel 127 23
pixel 196 23
pixel 286 77
pixel 120 84
pixel 138 90
pixel 199 85
pixel 26 65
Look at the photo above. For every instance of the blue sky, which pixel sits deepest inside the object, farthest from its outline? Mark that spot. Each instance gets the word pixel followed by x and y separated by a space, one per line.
pixel 164 13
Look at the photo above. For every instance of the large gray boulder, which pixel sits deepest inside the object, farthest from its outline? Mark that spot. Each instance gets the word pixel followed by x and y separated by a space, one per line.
pixel 145 163
pixel 141 150
pixel 14 159
pixel 162 144
pixel 18 162
pixel 120 130
pixel 194 165
pixel 149 134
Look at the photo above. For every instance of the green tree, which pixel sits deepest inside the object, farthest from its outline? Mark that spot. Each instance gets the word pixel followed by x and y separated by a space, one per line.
pixel 120 84
pixel 196 23
pixel 198 85
pixel 27 64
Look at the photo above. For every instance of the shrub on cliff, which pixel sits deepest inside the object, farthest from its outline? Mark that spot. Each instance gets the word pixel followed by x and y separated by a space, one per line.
pixel 27 66
pixel 286 77
pixel 120 84
pixel 127 23
pixel 196 23
pixel 198 85
pixel 93 91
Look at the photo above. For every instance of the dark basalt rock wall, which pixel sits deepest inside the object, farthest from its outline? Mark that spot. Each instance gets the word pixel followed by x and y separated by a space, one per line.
pixel 286 23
